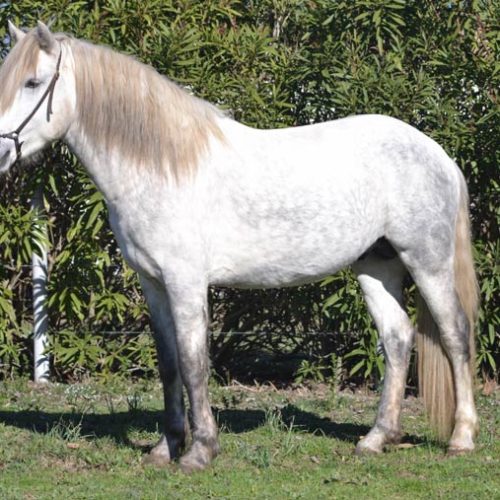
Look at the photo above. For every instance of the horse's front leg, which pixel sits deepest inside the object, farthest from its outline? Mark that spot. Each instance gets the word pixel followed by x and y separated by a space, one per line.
pixel 189 309
pixel 174 432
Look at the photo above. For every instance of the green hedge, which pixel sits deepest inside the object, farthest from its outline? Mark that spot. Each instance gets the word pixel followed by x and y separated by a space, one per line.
pixel 270 63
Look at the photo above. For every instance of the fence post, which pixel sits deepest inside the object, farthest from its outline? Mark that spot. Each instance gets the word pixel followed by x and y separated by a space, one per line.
pixel 39 267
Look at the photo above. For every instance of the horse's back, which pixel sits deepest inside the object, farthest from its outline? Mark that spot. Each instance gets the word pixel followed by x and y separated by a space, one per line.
pixel 372 150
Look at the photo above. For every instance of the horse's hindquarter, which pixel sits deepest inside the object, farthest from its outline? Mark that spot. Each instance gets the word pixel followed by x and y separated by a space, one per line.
pixel 296 204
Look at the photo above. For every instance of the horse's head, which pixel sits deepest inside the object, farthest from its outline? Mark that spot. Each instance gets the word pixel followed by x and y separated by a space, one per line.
pixel 37 94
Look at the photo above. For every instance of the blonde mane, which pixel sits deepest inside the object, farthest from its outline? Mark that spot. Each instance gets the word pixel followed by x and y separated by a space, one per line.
pixel 125 106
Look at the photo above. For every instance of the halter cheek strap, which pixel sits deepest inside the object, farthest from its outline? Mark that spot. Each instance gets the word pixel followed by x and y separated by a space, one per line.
pixel 49 92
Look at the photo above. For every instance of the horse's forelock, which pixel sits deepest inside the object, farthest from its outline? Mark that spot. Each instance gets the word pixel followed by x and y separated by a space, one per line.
pixel 19 63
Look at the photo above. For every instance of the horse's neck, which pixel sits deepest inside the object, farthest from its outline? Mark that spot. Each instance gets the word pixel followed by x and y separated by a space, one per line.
pixel 114 177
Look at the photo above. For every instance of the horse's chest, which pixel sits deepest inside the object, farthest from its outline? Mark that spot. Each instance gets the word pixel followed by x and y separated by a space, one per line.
pixel 136 240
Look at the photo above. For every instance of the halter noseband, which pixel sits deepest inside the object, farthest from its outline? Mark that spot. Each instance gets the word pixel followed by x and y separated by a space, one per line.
pixel 49 92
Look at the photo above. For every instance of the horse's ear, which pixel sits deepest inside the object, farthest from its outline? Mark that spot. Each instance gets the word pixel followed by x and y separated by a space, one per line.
pixel 16 35
pixel 44 36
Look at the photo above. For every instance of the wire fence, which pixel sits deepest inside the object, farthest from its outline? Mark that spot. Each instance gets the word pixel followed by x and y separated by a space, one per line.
pixel 211 332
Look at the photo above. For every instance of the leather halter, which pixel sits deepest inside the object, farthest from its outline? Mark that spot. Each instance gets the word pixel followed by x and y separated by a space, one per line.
pixel 49 92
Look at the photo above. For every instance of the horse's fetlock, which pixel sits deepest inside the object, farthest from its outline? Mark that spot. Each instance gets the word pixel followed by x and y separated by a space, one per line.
pixel 391 435
pixel 206 439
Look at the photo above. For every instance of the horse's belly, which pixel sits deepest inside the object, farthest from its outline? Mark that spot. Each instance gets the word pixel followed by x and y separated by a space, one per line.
pixel 271 274
pixel 292 253
pixel 291 227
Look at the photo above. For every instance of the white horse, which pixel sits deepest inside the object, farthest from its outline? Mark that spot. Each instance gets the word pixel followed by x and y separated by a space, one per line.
pixel 196 198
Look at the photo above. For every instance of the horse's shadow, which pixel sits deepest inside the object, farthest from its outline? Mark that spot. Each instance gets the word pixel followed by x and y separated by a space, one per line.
pixel 295 419
pixel 117 425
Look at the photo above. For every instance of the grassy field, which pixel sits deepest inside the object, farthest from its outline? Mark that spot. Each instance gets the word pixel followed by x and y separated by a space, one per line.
pixel 86 441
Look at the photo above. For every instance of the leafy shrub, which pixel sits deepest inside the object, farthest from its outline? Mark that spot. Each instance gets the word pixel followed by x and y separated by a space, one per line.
pixel 272 63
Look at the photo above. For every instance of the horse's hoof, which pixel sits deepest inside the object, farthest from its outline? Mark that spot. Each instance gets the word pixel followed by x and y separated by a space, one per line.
pixel 188 465
pixel 363 449
pixel 198 457
pixel 156 459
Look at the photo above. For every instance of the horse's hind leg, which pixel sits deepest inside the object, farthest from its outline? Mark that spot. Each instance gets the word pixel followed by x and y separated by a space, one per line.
pixel 174 432
pixel 382 284
pixel 438 288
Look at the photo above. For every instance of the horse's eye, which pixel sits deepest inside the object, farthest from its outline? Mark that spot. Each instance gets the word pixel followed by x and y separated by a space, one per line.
pixel 32 83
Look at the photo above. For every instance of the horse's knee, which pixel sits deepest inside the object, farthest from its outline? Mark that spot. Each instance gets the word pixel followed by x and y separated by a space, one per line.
pixel 397 344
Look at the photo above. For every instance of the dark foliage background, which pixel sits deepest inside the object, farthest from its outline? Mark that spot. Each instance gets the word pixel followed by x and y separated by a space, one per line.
pixel 270 63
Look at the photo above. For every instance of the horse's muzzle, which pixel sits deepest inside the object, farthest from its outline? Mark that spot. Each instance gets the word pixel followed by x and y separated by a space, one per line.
pixel 7 155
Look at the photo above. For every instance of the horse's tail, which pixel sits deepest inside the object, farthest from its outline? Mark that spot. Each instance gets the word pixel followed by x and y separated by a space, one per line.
pixel 434 369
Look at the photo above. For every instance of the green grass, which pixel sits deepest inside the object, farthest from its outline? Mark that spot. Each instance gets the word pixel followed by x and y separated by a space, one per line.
pixel 86 441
